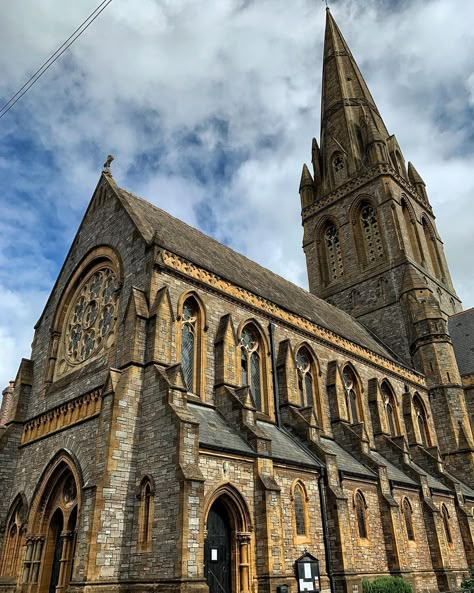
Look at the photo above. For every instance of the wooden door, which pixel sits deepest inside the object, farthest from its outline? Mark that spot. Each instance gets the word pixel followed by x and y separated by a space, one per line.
pixel 217 550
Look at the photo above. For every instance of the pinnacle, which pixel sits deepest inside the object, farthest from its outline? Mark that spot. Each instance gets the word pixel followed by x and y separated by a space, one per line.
pixel 306 178
pixel 414 176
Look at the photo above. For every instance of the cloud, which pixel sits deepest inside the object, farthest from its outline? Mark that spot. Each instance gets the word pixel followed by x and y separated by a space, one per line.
pixel 209 111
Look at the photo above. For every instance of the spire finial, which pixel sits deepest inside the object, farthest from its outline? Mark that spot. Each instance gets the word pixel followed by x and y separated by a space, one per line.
pixel 327 4
pixel 107 164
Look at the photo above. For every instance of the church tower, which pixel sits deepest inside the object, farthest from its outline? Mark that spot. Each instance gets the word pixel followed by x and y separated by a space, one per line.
pixel 371 243
pixel 366 214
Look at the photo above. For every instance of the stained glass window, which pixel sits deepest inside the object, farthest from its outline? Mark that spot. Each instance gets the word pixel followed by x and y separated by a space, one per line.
pixel 299 504
pixel 389 405
pixel 371 233
pixel 92 315
pixel 305 379
pixel 361 515
pixel 422 422
pixel 335 264
pixel 408 515
pixel 188 343
pixel 446 523
pixel 251 364
pixel 350 384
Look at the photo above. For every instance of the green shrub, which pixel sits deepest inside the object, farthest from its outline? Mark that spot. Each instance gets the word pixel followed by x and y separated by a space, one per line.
pixel 468 582
pixel 386 585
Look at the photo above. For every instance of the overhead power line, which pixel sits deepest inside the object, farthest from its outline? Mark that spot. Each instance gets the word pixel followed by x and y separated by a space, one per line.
pixel 55 56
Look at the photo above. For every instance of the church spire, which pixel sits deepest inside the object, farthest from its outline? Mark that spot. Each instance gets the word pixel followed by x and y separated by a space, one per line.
pixel 348 110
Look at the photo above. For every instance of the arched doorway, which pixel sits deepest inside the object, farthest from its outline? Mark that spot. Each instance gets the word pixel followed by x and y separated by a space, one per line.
pixel 217 550
pixel 50 551
pixel 227 543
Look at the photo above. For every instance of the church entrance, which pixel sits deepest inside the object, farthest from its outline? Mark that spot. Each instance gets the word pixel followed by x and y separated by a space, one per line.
pixel 55 545
pixel 50 541
pixel 217 550
pixel 227 543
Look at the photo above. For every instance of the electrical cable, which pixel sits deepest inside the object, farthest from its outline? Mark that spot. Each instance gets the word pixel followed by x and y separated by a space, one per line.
pixel 54 57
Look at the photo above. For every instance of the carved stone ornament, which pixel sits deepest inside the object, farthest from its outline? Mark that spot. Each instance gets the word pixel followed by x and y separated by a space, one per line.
pixel 91 318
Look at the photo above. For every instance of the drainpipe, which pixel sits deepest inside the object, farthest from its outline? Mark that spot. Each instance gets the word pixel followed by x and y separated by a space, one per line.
pixel 324 516
pixel 276 397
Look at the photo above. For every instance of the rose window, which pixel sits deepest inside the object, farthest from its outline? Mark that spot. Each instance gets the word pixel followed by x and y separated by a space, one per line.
pixel 92 315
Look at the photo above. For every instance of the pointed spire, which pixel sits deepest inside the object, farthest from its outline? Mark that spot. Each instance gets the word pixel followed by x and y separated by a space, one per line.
pixel 344 93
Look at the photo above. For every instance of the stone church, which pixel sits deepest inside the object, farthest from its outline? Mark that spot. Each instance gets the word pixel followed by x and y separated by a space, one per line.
pixel 191 422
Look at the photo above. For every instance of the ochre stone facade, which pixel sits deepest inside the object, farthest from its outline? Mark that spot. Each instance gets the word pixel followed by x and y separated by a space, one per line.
pixel 189 421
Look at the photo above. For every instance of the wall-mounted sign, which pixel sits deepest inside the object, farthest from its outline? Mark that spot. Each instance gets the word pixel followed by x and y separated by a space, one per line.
pixel 213 554
pixel 307 574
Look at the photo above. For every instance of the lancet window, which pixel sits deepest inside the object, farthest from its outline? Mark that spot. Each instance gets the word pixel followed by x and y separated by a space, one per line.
pixel 306 382
pixel 422 422
pixel 371 233
pixel 332 248
pixel 12 543
pixel 146 514
pixel 352 395
pixel 390 408
pixel 300 510
pixel 408 517
pixel 251 363
pixel 361 514
pixel 189 338
pixel 447 524
pixel 410 226
pixel 434 257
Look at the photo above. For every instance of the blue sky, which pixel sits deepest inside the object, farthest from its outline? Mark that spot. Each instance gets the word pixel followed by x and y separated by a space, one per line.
pixel 209 109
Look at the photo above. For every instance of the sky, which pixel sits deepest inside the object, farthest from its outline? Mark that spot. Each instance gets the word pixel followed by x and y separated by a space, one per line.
pixel 209 109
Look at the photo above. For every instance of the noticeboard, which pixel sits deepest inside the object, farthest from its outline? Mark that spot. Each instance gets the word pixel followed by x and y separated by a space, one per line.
pixel 307 574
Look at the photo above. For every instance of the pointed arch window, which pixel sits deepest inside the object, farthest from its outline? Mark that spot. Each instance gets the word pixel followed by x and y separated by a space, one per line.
pixel 408 517
pixel 306 381
pixel 390 409
pixel 446 524
pixel 352 395
pixel 410 225
pixel 333 253
pixel 191 315
pixel 12 543
pixel 430 239
pixel 145 521
pixel 370 233
pixel 300 511
pixel 361 514
pixel 251 364
pixel 422 422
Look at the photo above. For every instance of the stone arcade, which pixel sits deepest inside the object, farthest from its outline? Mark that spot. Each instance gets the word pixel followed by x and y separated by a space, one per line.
pixel 190 421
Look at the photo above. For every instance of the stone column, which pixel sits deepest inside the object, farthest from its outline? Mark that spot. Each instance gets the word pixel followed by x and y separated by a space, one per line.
pixel 244 561
pixel 65 562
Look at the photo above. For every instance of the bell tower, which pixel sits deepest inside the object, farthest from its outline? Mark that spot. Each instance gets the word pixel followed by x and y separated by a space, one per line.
pixel 366 214
pixel 371 244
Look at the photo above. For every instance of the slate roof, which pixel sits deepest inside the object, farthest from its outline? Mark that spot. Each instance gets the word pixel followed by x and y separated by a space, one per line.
pixel 461 329
pixel 189 243
pixel 432 481
pixel 466 490
pixel 214 431
pixel 345 461
pixel 285 448
pixel 394 474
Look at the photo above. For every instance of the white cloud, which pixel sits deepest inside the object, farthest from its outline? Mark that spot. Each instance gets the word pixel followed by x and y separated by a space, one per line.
pixel 186 92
